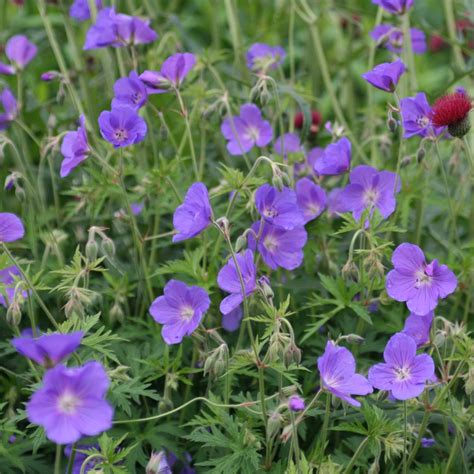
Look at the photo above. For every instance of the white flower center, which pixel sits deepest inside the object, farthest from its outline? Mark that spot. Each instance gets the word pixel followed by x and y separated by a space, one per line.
pixel 120 135
pixel 422 278
pixel 270 243
pixel 423 121
pixel 313 208
pixel 270 212
pixel 402 373
pixel 371 197
pixel 187 312
pixel 68 403
pixel 252 133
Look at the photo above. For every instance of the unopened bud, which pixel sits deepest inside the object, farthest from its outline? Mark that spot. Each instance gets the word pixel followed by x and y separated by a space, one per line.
pixel 277 181
pixel 241 243
pixel 158 464
pixel 20 193
pixel 224 226
pixel 350 271
pixel 264 284
pixel 405 161
pixel 108 247
pixel 116 313
pixel 274 424
pixel 73 307
pixel 420 154
pixel 14 314
pixel 92 250
pixel 292 355
pixel 354 339
pixel 392 124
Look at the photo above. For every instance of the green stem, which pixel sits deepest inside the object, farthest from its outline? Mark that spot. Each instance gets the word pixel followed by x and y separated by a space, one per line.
pixel 408 52
pixel 405 436
pixel 356 455
pixel 30 286
pixel 57 459
pixel 70 464
pixel 321 445
pixel 452 455
pixel 451 26
pixel 184 405
pixel 184 112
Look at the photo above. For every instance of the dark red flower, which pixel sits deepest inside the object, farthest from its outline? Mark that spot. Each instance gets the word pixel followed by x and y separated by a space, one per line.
pixel 316 120
pixel 437 43
pixel 452 110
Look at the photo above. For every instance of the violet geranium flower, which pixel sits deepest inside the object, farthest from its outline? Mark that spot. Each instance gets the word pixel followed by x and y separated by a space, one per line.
pixel 129 91
pixel 172 73
pixel 394 6
pixel 74 148
pixel 20 51
pixel 296 403
pixel 337 369
pixel 246 130
pixel 385 76
pixel 80 9
pixel 311 199
pixel 118 30
pixel 392 38
pixel 279 247
pixel 11 227
pixel 261 57
pixel 416 282
pixel 194 215
pixel 8 285
pixel 287 143
pixel 231 321
pixel 10 108
pixel 404 373
pixel 336 159
pixel 180 309
pixel 228 280
pixel 71 403
pixel 370 189
pixel 418 327
pixel 48 349
pixel 416 117
pixel 279 208
pixel 122 126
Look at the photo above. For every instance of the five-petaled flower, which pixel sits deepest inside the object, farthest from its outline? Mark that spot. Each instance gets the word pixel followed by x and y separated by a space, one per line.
pixel 335 159
pixel 416 117
pixel 122 126
pixel 245 131
pixel 194 215
pixel 20 51
pixel 74 148
pixel 130 91
pixel 180 309
pixel 229 280
pixel 337 369
pixel 261 57
pixel 11 227
pixel 71 403
pixel 418 283
pixel 404 373
pixel 385 76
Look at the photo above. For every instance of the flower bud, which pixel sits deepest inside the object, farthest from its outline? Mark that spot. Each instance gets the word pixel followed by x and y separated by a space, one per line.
pixel 350 271
pixel 277 181
pixel 392 124
pixel 158 464
pixel 116 313
pixel 292 355
pixel 14 314
pixel 92 250
pixel 264 284
pixel 241 243
pixel 49 76
pixel 420 154
pixel 274 424
pixel 108 247
pixel 20 193
pixel 296 403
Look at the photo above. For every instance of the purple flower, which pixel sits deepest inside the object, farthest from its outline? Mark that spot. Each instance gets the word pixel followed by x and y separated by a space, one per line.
pixel 129 91
pixel 418 283
pixel 194 215
pixel 246 130
pixel 80 457
pixel 122 126
pixel 9 277
pixel 261 57
pixel 74 148
pixel 173 71
pixel 296 403
pixel 419 327
pixel 287 143
pixel 20 51
pixel 159 463
pixel 11 227
pixel 231 321
pixel 10 108
pixel 307 166
pixel 228 280
pixel 137 208
pixel 80 9
pixel 370 189
pixel 279 208
pixel 385 76
pixel 335 160
pixel 337 369
pixel 394 6
pixel 48 349
pixel 427 442
pixel 279 247
pixel 335 203
pixel 71 403
pixel 49 76
pixel 392 38
pixel 180 310
pixel 404 373
pixel 416 117
pixel 311 199
pixel 118 30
